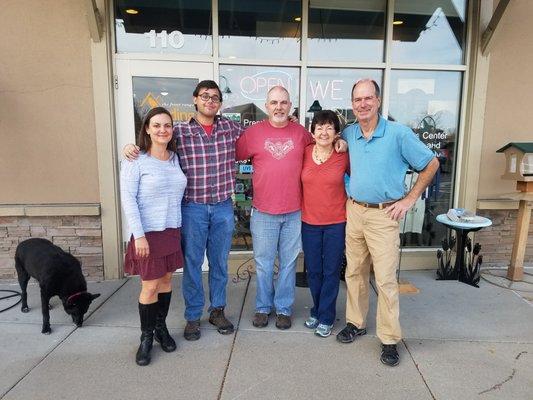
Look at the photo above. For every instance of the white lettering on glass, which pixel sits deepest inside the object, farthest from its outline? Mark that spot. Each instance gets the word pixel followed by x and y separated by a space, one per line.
pixel 173 39
pixel 176 39
pixel 328 90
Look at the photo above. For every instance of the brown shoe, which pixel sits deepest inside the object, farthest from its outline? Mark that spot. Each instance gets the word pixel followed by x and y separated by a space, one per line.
pixel 217 318
pixel 192 330
pixel 260 320
pixel 283 321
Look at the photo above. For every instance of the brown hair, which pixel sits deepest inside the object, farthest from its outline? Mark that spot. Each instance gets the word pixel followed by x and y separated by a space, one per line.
pixel 326 117
pixel 143 139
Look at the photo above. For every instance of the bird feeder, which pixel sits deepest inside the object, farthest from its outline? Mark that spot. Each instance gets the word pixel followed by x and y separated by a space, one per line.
pixel 519 168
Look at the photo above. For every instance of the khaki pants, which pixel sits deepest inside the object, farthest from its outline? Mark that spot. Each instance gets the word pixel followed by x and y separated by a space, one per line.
pixel 372 235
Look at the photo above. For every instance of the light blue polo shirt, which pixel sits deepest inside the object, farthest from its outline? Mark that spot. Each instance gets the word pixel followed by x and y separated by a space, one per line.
pixel 378 166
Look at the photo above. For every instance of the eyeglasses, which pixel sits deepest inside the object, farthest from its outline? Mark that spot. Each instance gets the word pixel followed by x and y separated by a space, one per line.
pixel 205 98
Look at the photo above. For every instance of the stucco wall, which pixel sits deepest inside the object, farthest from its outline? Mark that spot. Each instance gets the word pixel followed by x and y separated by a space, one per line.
pixel 509 105
pixel 48 146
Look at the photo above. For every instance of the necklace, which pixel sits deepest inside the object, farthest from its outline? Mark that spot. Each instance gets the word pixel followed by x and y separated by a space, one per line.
pixel 321 159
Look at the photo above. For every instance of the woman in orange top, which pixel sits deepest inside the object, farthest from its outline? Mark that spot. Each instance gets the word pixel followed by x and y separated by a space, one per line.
pixel 323 219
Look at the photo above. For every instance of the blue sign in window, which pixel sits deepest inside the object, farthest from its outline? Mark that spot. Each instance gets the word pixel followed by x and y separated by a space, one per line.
pixel 246 169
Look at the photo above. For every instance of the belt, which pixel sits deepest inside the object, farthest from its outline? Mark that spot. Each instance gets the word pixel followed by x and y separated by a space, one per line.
pixel 373 205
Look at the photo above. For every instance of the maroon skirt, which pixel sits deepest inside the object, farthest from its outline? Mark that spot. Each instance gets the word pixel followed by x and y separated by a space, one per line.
pixel 165 255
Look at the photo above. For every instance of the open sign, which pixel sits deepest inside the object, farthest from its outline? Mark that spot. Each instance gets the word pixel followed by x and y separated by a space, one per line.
pixel 255 87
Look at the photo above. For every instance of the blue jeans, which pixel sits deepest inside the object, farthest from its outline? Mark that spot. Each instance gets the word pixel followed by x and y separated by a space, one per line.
pixel 323 249
pixel 275 234
pixel 205 227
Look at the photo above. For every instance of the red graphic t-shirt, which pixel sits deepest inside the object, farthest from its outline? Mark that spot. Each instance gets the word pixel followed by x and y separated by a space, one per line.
pixel 277 157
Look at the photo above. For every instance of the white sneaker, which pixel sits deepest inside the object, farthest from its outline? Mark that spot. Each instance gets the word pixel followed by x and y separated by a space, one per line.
pixel 311 323
pixel 323 330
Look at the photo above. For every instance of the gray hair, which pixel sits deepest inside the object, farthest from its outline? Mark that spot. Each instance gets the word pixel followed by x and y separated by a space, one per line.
pixel 278 87
pixel 376 86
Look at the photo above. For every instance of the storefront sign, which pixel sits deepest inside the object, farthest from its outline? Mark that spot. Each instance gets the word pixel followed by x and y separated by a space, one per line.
pixel 173 39
pixel 433 137
pixel 327 90
pixel 255 87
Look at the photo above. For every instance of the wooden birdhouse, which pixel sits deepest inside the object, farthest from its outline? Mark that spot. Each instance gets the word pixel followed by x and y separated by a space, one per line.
pixel 519 167
pixel 519 164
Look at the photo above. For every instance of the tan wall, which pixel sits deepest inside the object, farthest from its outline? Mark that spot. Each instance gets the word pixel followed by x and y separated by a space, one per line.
pixel 47 130
pixel 509 104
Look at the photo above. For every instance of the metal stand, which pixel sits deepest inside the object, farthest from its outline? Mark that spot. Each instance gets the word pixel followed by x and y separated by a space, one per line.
pixel 463 272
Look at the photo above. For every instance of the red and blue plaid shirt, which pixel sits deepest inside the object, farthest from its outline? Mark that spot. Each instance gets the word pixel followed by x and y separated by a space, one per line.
pixel 208 161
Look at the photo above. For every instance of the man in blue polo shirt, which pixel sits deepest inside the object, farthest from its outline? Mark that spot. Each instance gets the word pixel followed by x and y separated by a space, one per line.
pixel 381 151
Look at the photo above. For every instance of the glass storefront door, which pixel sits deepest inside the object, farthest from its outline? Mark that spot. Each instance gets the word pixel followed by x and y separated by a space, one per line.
pixel 143 84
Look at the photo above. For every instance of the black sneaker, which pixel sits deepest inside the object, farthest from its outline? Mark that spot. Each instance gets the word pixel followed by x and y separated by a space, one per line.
pixel 217 318
pixel 349 333
pixel 389 355
pixel 192 330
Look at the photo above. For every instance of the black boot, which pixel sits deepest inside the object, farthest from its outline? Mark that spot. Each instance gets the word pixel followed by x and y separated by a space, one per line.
pixel 148 313
pixel 161 332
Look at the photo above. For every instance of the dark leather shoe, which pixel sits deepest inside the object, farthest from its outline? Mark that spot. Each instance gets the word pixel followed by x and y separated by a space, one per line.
pixel 162 336
pixel 389 355
pixel 283 321
pixel 260 320
pixel 217 318
pixel 142 357
pixel 349 333
pixel 192 330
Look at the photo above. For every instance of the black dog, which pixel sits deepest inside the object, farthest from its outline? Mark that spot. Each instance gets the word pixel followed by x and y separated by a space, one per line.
pixel 58 274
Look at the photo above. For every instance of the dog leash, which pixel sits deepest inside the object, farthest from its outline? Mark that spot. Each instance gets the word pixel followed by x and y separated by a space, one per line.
pixel 14 294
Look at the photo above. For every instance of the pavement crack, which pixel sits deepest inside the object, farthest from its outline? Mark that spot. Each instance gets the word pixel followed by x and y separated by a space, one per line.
pixel 498 386
pixel 252 386
pixel 520 354
pixel 234 339
pixel 418 369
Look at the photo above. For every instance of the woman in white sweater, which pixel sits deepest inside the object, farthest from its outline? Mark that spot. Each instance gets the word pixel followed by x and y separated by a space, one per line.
pixel 152 187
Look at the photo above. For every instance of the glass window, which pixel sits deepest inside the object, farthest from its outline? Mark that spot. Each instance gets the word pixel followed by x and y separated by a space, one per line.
pixel 330 89
pixel 431 32
pixel 266 29
pixel 245 89
pixel 346 30
pixel 429 103
pixel 175 94
pixel 163 26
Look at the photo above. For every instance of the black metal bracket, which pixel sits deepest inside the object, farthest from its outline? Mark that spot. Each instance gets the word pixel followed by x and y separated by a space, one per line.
pixel 468 259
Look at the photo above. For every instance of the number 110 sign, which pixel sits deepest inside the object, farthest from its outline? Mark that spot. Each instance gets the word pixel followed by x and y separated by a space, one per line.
pixel 173 39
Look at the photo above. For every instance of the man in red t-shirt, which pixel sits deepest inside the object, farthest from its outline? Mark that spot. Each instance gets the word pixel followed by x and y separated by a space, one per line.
pixel 276 147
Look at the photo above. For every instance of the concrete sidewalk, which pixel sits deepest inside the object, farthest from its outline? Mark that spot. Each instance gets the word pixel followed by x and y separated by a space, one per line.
pixel 460 343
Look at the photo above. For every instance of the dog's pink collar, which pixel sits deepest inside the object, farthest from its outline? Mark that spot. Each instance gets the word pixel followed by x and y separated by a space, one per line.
pixel 75 295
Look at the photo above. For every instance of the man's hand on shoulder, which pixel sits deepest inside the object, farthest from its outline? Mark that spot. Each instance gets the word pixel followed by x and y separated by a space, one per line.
pixel 398 209
pixel 294 118
pixel 130 152
pixel 341 146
